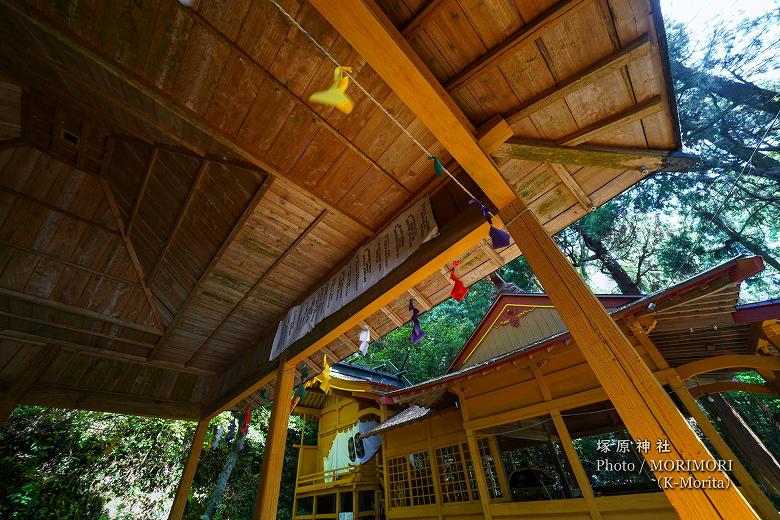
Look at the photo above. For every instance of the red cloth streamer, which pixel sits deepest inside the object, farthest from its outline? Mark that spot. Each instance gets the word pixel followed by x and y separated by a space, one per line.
pixel 459 291
pixel 247 418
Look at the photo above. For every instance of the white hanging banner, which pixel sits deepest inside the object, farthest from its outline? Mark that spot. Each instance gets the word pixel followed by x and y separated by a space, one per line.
pixel 370 264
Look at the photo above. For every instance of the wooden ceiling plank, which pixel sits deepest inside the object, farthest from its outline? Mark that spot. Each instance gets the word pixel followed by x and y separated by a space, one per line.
pixel 165 101
pixel 78 311
pixel 32 373
pixel 179 217
pixel 604 67
pixel 607 157
pixel 130 249
pixel 237 227
pixel 298 101
pixel 420 298
pixel 416 22
pixel 279 260
pixel 491 253
pixel 573 187
pixel 525 33
pixel 27 338
pixel 56 209
pixel 395 318
pixel 599 128
pixel 150 164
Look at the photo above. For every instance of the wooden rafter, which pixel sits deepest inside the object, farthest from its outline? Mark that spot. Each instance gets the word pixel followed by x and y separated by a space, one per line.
pixel 78 311
pixel 199 175
pixel 604 67
pixel 279 260
pixel 249 209
pixel 52 207
pixel 615 158
pixel 392 316
pixel 420 298
pixel 161 98
pixel 491 253
pixel 606 125
pixel 38 339
pixel 77 330
pixel 572 185
pixel 130 249
pixel 417 20
pixel 62 261
pixel 150 164
pixel 526 32
pixel 36 367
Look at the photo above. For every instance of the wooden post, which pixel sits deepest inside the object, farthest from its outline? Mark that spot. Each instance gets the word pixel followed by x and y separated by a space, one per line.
pixel 753 492
pixel 642 403
pixel 479 470
pixel 183 491
pixel 267 498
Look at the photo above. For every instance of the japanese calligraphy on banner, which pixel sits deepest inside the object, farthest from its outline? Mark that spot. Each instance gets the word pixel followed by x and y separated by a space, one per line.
pixel 370 264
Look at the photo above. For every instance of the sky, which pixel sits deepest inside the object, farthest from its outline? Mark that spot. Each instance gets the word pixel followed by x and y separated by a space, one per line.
pixel 699 15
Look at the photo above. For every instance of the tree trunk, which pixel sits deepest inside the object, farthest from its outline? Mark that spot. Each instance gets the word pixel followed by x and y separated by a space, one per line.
pixel 756 457
pixel 227 469
pixel 615 270
pixel 744 241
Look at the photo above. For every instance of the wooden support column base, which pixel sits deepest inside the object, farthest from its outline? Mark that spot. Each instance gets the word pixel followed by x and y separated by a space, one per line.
pixel 642 403
pixel 267 498
pixel 183 491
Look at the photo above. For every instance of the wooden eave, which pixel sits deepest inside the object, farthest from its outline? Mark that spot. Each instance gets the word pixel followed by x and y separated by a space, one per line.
pixel 225 197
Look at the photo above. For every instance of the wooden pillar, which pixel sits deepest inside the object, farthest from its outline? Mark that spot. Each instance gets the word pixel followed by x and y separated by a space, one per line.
pixel 639 399
pixel 183 491
pixel 479 470
pixel 267 498
pixel 762 504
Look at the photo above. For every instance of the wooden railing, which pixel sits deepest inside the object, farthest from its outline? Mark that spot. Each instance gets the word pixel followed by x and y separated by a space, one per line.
pixel 344 475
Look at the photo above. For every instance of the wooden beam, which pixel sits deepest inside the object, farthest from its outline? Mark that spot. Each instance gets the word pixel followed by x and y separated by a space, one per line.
pixel 573 187
pixel 527 32
pixel 491 253
pixel 493 133
pixel 457 237
pixel 77 330
pixel 199 175
pixel 365 26
pixel 109 194
pixel 757 498
pixel 713 364
pixel 32 372
pixel 602 68
pixel 185 483
pixel 417 20
pixel 642 160
pixel 643 405
pixel 279 260
pixel 730 386
pixel 62 261
pixel 150 164
pixel 249 209
pixel 51 207
pixel 14 142
pixel 606 125
pixel 267 497
pixel 78 311
pixel 158 97
pixel 38 339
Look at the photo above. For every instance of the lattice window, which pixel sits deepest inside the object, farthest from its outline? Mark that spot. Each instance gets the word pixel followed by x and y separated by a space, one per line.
pixel 457 480
pixel 421 479
pixel 398 479
pixel 489 466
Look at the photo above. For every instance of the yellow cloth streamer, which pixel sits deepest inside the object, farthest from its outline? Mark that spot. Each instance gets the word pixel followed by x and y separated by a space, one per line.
pixel 335 95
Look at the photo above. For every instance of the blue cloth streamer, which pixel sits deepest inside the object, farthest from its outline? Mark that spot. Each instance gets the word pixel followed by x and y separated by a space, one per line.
pixel 499 238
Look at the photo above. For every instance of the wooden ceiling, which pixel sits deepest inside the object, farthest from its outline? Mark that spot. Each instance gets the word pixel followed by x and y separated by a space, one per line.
pixel 168 192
